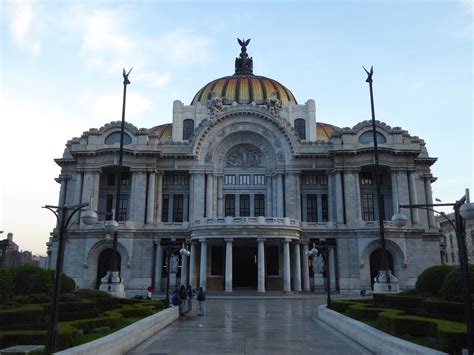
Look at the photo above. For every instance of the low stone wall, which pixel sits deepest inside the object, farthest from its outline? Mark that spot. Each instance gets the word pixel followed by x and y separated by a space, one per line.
pixel 372 339
pixel 125 339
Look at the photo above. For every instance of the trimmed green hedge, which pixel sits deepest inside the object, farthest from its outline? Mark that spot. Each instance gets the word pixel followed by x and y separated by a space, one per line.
pixel 363 311
pixel 431 280
pixel 135 311
pixel 29 314
pixel 111 320
pixel 88 293
pixel 15 337
pixel 7 290
pixel 73 307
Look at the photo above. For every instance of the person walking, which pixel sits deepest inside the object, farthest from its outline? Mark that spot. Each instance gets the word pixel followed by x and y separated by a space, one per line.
pixel 175 298
pixel 183 295
pixel 190 298
pixel 201 297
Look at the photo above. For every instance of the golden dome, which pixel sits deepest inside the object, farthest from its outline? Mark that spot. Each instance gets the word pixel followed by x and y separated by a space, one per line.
pixel 324 131
pixel 162 131
pixel 244 89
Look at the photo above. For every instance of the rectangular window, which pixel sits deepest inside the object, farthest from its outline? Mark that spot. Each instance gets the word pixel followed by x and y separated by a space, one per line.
pixel 175 180
pixel 259 205
pixel 109 207
pixel 217 260
pixel 177 208
pixel 271 258
pixel 125 179
pixel 244 179
pixel 110 179
pixel 323 179
pixel 122 215
pixel 368 207
pixel 165 209
pixel 244 205
pixel 310 179
pixel 312 208
pixel 229 202
pixel 259 179
pixel 366 178
pixel 324 207
pixel 229 180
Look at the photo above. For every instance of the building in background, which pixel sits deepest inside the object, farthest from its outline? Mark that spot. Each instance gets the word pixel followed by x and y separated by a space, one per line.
pixel 248 177
pixel 450 251
pixel 11 256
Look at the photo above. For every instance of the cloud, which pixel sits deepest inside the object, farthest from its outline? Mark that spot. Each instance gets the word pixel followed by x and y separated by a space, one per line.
pixel 183 47
pixel 109 107
pixel 154 79
pixel 21 16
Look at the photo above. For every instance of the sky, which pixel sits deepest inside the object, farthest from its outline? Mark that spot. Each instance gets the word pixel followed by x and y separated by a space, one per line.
pixel 61 74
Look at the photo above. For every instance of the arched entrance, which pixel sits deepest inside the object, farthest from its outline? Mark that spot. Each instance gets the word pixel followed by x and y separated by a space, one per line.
pixel 375 259
pixel 103 264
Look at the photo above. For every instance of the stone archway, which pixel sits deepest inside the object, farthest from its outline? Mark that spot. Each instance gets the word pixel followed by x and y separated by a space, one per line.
pixel 103 264
pixel 375 262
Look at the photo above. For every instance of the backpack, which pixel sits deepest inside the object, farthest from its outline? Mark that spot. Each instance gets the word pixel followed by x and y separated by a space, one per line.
pixel 201 296
pixel 175 299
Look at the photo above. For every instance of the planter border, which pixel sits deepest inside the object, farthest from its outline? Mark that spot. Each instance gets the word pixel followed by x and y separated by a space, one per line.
pixel 372 339
pixel 125 339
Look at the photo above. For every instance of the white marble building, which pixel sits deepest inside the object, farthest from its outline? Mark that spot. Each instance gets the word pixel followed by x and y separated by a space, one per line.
pixel 248 178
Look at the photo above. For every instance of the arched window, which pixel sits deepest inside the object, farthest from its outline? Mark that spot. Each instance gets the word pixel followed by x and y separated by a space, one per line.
pixel 115 138
pixel 368 137
pixel 300 127
pixel 188 128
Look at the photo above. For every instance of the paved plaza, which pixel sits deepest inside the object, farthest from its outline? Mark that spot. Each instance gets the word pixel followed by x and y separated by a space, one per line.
pixel 251 326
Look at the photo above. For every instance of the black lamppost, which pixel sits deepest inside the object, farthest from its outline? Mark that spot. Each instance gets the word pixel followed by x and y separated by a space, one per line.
pixel 64 215
pixel 384 277
pixel 463 209
pixel 112 225
pixel 324 248
pixel 169 250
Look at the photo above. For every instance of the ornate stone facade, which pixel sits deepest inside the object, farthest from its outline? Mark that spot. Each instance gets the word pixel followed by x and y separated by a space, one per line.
pixel 249 185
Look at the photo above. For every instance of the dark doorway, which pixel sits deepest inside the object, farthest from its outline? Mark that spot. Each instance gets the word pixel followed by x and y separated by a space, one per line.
pixel 105 258
pixel 244 267
pixel 375 264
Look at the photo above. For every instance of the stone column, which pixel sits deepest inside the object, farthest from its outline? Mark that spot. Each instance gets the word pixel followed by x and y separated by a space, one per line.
pixel 150 208
pixel 203 268
pixel 429 201
pixel 291 209
pixel 268 197
pixel 332 269
pixel 209 186
pixel 413 197
pixel 319 204
pixel 63 180
pixel 158 266
pixel 220 196
pixel 298 196
pixel 306 286
pixel 274 197
pixel 159 196
pixel 261 265
pixel 184 271
pixel 339 197
pixel 192 265
pixel 77 188
pixel 395 194
pixel 198 195
pixel 91 189
pixel 297 263
pixel 279 188
pixel 331 197
pixel 286 266
pixel 137 197
pixel 352 197
pixel 228 265
pixel 304 207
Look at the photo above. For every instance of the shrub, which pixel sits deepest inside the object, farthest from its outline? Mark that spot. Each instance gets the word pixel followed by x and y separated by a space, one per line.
pixel 107 304
pixel 88 293
pixel 135 311
pixel 7 290
pixel 73 307
pixel 30 279
pixel 68 284
pixel 22 315
pixel 111 320
pixel 68 335
pixel 23 299
pixel 452 336
pixel 340 305
pixel 412 325
pixel 40 298
pixel 22 337
pixel 431 280
pixel 362 311
pixel 69 316
pixel 443 307
pixel 402 302
pixel 452 286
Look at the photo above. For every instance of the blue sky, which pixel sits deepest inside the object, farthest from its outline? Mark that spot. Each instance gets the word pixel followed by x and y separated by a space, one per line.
pixel 61 66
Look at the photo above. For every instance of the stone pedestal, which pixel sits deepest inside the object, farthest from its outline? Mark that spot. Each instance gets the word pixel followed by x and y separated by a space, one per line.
pixel 382 286
pixel 112 283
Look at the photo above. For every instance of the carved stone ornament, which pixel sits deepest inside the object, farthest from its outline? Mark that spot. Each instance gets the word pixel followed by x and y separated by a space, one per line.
pixel 208 157
pixel 215 103
pixel 244 157
pixel 318 264
pixel 273 103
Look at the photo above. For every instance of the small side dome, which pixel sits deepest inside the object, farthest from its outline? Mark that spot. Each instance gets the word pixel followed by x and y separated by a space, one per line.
pixel 163 131
pixel 324 131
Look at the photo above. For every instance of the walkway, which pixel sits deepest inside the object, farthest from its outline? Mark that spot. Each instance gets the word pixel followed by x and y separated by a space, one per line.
pixel 251 326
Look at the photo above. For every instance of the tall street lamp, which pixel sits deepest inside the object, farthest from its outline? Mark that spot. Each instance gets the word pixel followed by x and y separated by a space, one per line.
pixel 170 249
pixel 114 281
pixel 64 215
pixel 463 209
pixel 385 281
pixel 323 248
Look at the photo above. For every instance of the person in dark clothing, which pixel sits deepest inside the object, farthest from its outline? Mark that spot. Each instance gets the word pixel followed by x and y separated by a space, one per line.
pixel 183 295
pixel 190 292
